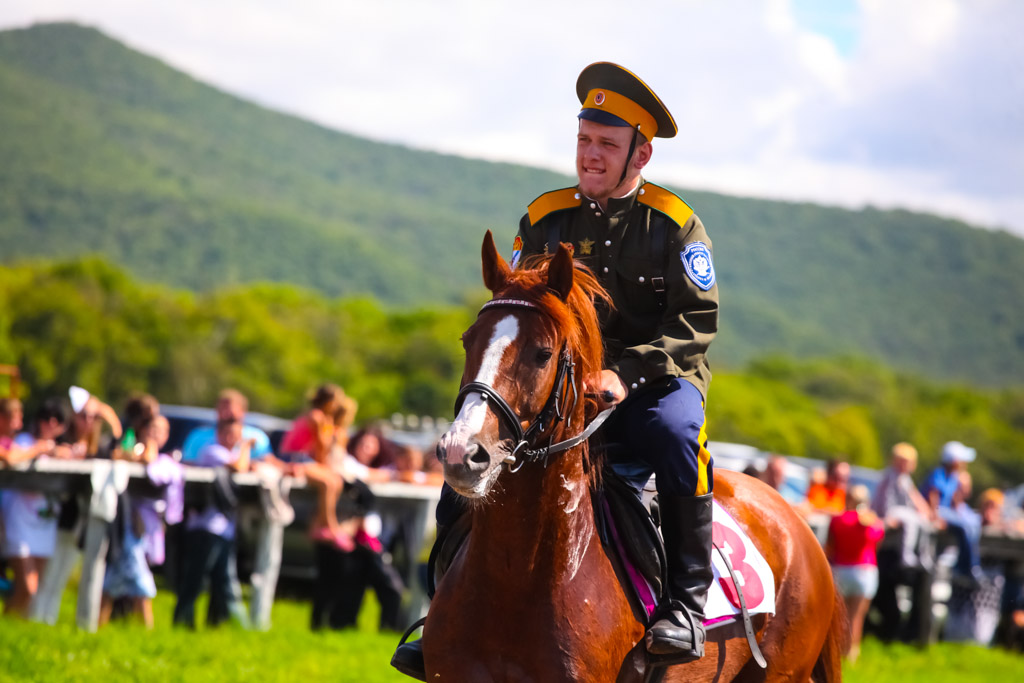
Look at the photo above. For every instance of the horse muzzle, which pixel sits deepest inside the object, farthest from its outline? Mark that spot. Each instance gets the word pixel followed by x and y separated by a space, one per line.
pixel 469 467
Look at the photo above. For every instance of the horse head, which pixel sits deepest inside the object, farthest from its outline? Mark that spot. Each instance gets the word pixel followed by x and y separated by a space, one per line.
pixel 526 356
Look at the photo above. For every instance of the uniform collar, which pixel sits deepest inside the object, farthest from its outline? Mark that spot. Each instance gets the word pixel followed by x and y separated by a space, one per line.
pixel 618 206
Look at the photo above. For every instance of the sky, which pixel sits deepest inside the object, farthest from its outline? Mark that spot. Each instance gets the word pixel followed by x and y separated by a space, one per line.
pixel 915 104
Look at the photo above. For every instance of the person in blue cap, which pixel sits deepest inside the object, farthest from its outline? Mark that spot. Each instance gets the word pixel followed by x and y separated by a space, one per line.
pixel 652 253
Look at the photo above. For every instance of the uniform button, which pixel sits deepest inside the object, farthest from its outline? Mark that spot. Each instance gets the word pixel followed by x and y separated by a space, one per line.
pixel 633 385
pixel 593 205
pixel 642 380
pixel 641 278
pixel 607 243
pixel 605 269
pixel 597 213
pixel 577 195
pixel 641 191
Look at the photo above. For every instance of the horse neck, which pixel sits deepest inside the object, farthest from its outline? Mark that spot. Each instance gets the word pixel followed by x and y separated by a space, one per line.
pixel 541 516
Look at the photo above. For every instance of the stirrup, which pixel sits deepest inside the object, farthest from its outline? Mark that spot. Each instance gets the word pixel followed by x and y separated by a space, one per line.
pixel 409 631
pixel 684 651
pixel 410 668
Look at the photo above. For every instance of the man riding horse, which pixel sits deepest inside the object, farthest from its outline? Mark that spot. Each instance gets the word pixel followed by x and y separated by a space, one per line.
pixel 652 254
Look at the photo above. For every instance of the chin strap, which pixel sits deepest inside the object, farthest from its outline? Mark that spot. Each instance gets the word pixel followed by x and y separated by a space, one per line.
pixel 629 156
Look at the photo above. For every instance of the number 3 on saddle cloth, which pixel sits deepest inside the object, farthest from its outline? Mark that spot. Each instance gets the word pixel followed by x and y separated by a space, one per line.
pixel 629 534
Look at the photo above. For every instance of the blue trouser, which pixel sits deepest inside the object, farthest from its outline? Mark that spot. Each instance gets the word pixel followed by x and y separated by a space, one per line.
pixel 965 526
pixel 213 556
pixel 661 432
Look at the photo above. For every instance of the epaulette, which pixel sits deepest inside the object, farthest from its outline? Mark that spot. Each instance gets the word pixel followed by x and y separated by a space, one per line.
pixel 666 202
pixel 549 202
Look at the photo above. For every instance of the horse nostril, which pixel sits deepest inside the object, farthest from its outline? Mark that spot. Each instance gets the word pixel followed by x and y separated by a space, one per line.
pixel 477 458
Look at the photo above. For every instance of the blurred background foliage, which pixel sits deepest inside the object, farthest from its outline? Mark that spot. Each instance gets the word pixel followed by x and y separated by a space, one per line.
pixel 86 322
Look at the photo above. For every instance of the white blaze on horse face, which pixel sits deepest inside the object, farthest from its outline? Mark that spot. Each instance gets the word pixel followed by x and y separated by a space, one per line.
pixel 470 420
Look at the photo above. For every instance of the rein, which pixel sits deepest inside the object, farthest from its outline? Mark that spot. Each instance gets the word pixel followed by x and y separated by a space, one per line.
pixel 550 415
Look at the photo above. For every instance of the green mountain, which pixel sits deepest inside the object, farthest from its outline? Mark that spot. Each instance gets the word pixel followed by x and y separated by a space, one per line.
pixel 109 151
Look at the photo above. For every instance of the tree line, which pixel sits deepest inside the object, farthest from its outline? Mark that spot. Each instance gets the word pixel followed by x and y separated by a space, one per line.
pixel 86 322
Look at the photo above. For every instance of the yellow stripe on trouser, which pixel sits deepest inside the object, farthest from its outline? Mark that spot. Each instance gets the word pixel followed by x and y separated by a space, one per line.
pixel 703 460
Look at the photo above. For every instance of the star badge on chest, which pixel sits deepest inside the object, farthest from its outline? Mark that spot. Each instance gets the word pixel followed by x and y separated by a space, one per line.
pixel 586 247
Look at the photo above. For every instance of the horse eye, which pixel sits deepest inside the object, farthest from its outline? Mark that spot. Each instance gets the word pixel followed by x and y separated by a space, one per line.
pixel 543 356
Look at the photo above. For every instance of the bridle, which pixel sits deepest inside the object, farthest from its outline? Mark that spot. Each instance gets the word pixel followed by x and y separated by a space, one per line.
pixel 553 412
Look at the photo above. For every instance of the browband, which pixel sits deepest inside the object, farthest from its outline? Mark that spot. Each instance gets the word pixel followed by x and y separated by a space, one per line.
pixel 519 303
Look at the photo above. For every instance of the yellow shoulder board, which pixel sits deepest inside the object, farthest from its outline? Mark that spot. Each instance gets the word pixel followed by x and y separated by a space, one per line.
pixel 549 202
pixel 668 203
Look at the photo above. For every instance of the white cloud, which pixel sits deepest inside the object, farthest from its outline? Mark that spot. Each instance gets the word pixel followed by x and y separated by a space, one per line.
pixel 924 112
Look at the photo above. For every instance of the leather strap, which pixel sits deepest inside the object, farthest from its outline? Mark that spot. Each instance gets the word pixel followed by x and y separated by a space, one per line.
pixel 748 626
pixel 657 232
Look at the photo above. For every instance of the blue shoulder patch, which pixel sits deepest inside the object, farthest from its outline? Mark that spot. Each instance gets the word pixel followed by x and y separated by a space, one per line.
pixel 697 262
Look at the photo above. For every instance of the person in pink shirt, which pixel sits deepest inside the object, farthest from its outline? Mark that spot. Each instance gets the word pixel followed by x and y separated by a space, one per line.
pixel 307 447
pixel 853 537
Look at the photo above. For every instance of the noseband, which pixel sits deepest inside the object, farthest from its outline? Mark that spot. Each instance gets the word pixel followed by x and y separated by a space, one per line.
pixel 550 415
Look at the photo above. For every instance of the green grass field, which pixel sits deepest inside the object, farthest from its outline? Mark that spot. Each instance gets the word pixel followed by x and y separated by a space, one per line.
pixel 127 652
pixel 290 652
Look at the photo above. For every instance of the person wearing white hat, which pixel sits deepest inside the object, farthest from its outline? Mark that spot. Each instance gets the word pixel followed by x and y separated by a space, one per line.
pixel 940 488
pixel 944 489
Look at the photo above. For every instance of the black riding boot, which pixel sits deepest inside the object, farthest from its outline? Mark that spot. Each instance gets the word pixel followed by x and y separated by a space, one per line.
pixel 678 634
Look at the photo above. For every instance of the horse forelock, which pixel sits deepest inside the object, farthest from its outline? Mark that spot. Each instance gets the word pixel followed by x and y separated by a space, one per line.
pixel 574 319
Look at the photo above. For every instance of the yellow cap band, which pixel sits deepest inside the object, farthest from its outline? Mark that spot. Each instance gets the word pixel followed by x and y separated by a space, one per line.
pixel 623 107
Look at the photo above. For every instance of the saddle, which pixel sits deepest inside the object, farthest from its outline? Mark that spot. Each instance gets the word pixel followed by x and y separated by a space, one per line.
pixel 630 533
pixel 628 530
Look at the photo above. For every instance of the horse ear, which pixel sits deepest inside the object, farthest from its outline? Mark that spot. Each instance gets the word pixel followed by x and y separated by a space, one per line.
pixel 496 271
pixel 561 272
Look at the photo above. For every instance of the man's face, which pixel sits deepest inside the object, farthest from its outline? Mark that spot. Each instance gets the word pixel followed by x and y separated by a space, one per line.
pixel 776 473
pixel 903 465
pixel 600 157
pixel 841 475
pixel 230 409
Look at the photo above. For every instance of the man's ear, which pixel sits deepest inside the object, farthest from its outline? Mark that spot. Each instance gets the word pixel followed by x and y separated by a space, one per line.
pixel 643 155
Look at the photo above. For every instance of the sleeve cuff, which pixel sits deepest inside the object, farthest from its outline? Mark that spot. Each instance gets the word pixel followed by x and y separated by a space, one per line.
pixel 631 372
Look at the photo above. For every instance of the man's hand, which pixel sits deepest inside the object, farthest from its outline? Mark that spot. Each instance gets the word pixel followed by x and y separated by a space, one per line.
pixel 608 387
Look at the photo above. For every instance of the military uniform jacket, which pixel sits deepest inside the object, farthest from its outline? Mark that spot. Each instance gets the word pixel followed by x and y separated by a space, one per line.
pixel 652 254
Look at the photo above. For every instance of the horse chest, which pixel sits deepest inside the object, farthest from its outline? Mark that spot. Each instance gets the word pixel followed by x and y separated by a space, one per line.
pixel 536 626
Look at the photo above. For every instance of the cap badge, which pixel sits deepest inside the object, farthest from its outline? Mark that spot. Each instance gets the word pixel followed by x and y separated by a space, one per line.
pixel 599 98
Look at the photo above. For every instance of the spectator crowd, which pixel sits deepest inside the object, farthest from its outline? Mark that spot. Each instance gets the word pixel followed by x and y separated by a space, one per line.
pixel 890 546
pixel 42 533
pixel 886 544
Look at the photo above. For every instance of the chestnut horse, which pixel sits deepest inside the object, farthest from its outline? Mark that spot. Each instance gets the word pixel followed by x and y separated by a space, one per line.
pixel 531 595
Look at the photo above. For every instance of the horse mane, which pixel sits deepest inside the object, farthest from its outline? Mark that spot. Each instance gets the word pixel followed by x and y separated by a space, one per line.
pixel 575 318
